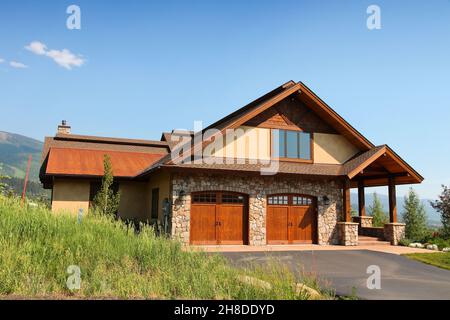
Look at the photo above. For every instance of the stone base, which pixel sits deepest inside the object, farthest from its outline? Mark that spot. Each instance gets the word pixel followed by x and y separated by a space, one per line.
pixel 364 222
pixel 394 232
pixel 348 233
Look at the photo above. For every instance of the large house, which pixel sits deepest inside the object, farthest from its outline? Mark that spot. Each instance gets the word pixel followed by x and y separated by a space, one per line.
pixel 277 171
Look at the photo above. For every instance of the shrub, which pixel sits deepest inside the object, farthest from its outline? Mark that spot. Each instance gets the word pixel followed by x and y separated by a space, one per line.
pixel 405 242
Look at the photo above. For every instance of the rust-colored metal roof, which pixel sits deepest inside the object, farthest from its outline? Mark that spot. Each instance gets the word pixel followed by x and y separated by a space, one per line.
pixel 85 162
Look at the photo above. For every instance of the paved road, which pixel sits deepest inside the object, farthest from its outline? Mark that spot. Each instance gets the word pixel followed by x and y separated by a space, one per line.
pixel 401 278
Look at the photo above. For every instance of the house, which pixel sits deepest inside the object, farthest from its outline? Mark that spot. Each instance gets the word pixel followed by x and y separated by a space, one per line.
pixel 277 171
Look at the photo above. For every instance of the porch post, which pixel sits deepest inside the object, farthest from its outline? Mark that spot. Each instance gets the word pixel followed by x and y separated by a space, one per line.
pixel 361 198
pixel 346 206
pixel 392 201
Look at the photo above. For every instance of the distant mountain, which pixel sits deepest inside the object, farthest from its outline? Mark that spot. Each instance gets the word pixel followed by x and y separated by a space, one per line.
pixel 434 217
pixel 14 152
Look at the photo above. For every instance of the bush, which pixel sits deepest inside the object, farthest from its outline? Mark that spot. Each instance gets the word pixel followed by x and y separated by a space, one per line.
pixel 37 247
pixel 405 242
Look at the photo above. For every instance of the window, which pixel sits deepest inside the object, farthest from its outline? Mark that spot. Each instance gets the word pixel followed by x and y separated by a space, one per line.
pixel 301 201
pixel 155 203
pixel 204 197
pixel 292 144
pixel 232 198
pixel 278 199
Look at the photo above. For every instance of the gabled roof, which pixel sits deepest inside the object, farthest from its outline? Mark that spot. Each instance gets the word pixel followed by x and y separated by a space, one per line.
pixel 268 100
pixel 377 165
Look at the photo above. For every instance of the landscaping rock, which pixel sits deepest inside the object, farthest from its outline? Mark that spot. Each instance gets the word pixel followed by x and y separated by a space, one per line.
pixel 312 293
pixel 416 245
pixel 446 250
pixel 432 247
pixel 255 282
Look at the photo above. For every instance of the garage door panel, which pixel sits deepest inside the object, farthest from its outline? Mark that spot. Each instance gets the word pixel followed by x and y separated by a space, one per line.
pixel 277 222
pixel 203 224
pixel 292 222
pixel 219 218
pixel 232 226
pixel 301 225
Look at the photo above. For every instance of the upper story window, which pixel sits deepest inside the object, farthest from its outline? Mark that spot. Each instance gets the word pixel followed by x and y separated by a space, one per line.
pixel 291 144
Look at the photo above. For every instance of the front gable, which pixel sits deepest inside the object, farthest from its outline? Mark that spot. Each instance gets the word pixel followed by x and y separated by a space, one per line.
pixel 327 146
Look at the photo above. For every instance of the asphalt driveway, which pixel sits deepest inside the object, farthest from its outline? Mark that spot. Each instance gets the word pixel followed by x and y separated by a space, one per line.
pixel 401 278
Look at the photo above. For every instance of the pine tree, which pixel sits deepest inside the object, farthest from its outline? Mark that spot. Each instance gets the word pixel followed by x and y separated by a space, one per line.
pixel 443 207
pixel 414 216
pixel 106 201
pixel 376 211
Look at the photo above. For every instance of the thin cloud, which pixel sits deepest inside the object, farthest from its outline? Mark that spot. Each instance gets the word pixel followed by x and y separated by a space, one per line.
pixel 18 65
pixel 37 47
pixel 63 58
pixel 2 60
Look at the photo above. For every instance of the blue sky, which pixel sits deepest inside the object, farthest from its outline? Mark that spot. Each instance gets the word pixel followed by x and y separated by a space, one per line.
pixel 154 66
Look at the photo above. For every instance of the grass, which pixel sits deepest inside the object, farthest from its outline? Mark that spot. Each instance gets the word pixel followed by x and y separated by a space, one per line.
pixel 37 247
pixel 438 259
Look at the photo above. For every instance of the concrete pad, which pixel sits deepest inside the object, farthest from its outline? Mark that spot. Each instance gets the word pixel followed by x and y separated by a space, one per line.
pixel 310 247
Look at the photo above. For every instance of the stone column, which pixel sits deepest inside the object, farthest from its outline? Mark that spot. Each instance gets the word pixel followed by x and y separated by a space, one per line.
pixel 363 221
pixel 257 220
pixel 394 232
pixel 348 233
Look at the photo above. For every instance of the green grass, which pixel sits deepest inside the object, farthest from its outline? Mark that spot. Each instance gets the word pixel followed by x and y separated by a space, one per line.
pixel 37 247
pixel 438 259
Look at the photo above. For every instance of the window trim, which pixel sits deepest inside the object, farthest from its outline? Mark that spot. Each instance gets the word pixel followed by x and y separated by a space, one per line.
pixel 311 143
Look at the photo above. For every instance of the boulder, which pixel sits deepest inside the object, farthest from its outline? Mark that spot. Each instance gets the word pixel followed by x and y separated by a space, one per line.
pixel 301 288
pixel 446 250
pixel 255 282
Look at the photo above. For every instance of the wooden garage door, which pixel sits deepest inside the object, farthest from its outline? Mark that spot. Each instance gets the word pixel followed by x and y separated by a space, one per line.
pixel 291 218
pixel 218 218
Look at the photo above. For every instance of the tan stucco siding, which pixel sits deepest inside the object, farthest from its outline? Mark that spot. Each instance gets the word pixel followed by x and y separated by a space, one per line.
pixel 332 148
pixel 70 195
pixel 134 200
pixel 245 143
pixel 160 180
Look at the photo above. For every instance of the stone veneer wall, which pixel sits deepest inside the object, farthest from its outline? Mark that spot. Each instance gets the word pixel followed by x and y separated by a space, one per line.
pixel 394 232
pixel 257 188
pixel 364 222
pixel 348 233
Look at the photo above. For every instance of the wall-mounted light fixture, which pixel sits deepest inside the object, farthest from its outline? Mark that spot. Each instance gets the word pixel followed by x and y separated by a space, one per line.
pixel 326 200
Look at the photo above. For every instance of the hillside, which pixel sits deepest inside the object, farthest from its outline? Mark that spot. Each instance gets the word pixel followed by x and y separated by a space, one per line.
pixel 433 216
pixel 14 152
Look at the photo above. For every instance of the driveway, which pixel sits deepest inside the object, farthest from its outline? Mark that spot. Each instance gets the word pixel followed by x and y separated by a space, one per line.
pixel 401 278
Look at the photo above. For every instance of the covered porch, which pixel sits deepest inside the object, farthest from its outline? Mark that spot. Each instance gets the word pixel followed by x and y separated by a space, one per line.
pixel 381 167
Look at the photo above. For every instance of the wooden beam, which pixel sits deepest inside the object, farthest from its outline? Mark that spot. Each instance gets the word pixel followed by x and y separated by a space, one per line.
pixel 346 206
pixel 392 201
pixel 361 198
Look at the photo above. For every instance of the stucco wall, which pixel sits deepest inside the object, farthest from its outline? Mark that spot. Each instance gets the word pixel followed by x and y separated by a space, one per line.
pixel 332 148
pixel 250 143
pixel 257 187
pixel 134 200
pixel 70 195
pixel 159 180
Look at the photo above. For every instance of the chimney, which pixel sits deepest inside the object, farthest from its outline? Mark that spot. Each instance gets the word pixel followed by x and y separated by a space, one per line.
pixel 63 128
